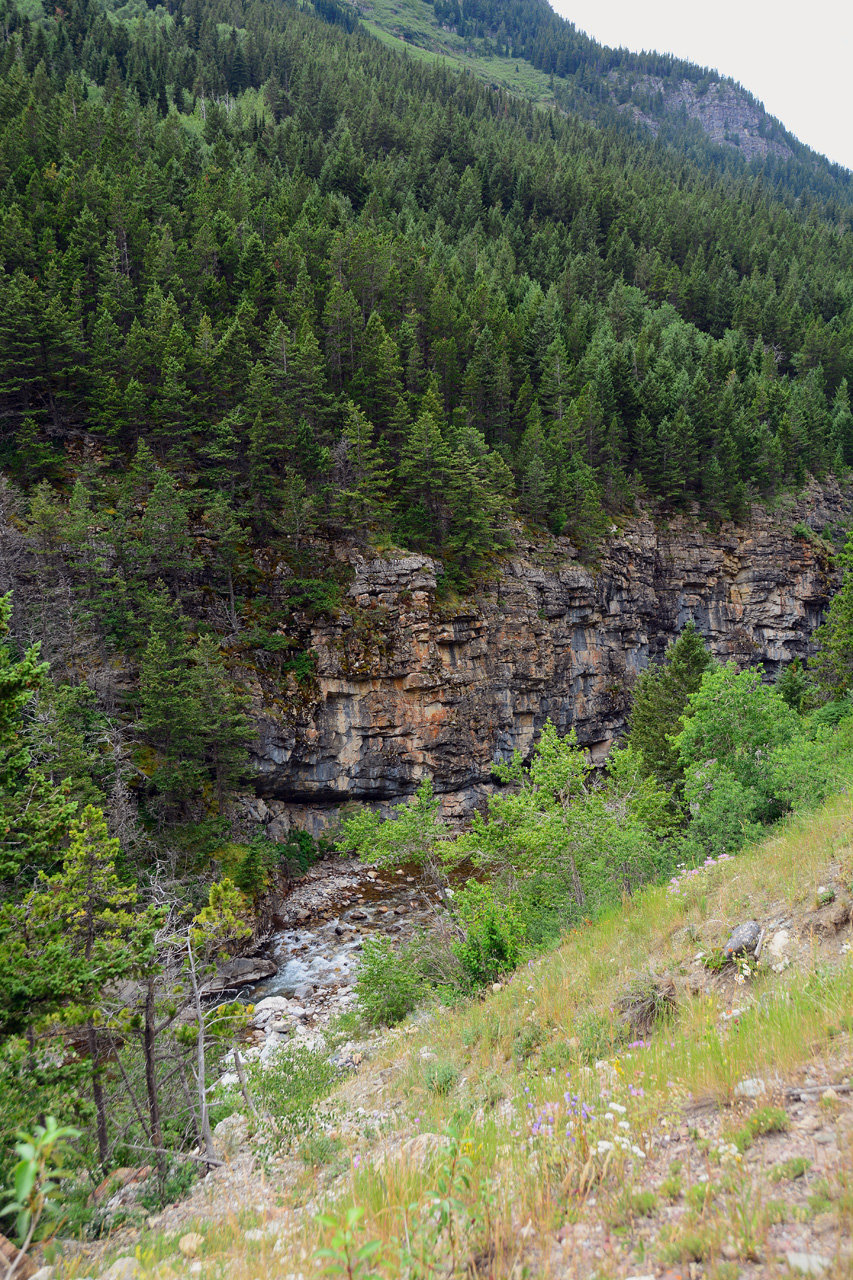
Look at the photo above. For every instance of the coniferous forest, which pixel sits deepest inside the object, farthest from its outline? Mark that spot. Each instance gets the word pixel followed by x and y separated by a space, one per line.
pixel 266 284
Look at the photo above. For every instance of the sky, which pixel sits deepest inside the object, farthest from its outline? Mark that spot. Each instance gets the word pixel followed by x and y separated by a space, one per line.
pixel 795 58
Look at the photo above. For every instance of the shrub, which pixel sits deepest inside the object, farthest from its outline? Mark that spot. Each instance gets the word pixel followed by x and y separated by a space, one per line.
pixel 291 1086
pixel 646 1000
pixel 388 985
pixel 790 1170
pixel 299 852
pixel 494 934
pixel 527 1041
pixel 440 1077
pixel 178 1182
pixel 768 1120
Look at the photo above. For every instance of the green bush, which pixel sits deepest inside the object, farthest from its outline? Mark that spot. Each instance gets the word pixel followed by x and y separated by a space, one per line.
pixel 291 1085
pixel 179 1179
pixel 300 851
pixel 389 985
pixel 440 1077
pixel 494 933
pixel 256 869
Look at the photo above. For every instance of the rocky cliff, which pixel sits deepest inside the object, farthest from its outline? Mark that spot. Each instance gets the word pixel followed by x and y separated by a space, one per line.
pixel 408 687
pixel 726 114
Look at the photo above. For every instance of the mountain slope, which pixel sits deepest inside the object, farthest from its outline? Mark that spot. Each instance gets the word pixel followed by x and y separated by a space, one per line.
pixel 527 48
pixel 627 1103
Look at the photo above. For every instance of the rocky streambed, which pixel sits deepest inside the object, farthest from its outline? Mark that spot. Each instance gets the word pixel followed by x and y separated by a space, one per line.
pixel 323 924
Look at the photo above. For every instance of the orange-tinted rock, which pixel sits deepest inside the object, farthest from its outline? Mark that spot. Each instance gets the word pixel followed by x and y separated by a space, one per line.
pixel 407 688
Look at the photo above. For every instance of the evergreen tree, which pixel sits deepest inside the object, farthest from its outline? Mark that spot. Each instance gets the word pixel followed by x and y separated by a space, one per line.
pixel 660 698
pixel 360 480
pixel 831 669
pixel 34 814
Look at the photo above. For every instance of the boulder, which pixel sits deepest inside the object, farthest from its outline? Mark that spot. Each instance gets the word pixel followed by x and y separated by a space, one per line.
pixel 754 1087
pixel 271 1004
pixel 190 1244
pixel 808 1264
pixel 278 831
pixel 122 1269
pixel 230 1135
pixel 744 939
pixel 9 1254
pixel 237 972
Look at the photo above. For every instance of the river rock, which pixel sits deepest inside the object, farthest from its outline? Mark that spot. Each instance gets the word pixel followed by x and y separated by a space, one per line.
pixel 272 1047
pixel 303 992
pixel 243 969
pixel 273 1003
pixel 744 939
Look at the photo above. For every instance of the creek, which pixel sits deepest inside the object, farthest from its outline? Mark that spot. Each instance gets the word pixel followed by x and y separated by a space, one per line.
pixel 329 914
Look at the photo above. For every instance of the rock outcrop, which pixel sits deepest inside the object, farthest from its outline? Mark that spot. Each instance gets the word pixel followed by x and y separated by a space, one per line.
pixel 407 686
pixel 727 114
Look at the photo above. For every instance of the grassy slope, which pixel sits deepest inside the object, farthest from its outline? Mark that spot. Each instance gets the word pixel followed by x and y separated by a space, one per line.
pixel 410 25
pixel 561 1207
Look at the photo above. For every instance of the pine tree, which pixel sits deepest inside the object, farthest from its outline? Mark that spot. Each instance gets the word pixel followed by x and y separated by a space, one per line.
pixel 34 814
pixel 842 425
pixel 221 729
pixel 660 698
pixel 424 469
pixel 227 536
pixel 168 712
pixel 360 479
pixel 831 669
pixel 165 548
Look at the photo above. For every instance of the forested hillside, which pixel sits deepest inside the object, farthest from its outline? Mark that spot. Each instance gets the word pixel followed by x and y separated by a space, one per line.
pixel 526 47
pixel 324 285
pixel 269 292
pixel 266 282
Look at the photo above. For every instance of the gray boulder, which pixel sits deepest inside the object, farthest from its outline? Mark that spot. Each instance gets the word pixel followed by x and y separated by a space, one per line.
pixel 234 973
pixel 744 939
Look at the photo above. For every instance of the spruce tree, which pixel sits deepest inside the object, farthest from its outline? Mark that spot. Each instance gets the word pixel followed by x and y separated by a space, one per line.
pixel 362 482
pixel 660 698
pixel 34 814
pixel 831 669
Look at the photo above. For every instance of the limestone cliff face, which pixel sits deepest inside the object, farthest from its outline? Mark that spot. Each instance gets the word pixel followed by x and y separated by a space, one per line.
pixel 407 687
pixel 726 114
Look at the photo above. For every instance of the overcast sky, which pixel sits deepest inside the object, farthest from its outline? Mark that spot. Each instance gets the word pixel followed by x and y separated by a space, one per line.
pixel 795 58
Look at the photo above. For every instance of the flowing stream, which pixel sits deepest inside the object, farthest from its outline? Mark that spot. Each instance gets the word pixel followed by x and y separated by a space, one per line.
pixel 335 912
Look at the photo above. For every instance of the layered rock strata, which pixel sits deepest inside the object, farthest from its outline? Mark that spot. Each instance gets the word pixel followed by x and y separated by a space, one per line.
pixel 409 687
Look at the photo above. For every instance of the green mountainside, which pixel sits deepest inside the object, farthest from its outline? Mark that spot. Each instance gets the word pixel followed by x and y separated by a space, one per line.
pixel 266 284
pixel 270 284
pixel 526 48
